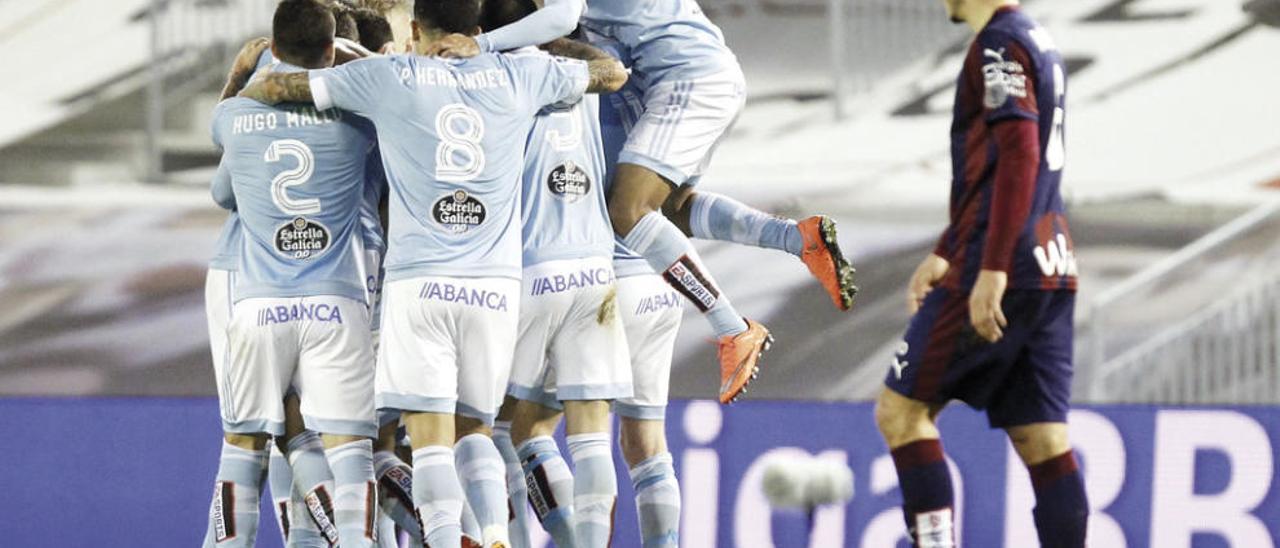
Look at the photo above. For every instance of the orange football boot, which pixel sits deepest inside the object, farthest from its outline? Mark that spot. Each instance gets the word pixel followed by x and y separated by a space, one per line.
pixel 740 360
pixel 822 255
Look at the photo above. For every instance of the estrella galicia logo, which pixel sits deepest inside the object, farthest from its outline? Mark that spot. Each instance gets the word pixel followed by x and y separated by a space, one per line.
pixel 301 239
pixel 569 181
pixel 459 212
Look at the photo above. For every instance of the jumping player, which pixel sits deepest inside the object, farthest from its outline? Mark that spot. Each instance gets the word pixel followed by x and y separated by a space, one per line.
pixel 445 129
pixel 993 304
pixel 693 93
pixel 300 319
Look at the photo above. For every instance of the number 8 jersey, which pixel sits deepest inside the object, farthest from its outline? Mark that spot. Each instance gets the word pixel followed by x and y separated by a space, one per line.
pixel 1013 72
pixel 298 175
pixel 452 136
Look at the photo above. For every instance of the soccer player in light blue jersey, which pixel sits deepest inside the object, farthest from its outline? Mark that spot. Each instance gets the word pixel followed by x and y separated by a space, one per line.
pixel 300 319
pixel 451 135
pixel 571 351
pixel 693 93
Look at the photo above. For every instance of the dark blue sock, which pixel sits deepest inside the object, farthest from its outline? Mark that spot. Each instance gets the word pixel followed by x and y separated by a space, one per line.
pixel 1062 507
pixel 927 498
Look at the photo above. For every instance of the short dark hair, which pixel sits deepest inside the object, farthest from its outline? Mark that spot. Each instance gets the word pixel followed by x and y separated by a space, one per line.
pixel 374 29
pixel 461 16
pixel 496 14
pixel 302 31
pixel 345 22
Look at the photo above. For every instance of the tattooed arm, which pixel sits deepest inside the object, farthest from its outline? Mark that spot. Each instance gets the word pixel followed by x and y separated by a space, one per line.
pixel 246 62
pixel 280 87
pixel 607 75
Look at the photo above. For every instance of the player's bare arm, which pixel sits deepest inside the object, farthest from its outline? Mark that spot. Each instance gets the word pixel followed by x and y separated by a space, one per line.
pixel 292 87
pixel 984 304
pixel 927 275
pixel 242 68
pixel 573 49
pixel 606 75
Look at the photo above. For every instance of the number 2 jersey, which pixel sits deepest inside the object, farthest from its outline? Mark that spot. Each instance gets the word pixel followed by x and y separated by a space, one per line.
pixel 299 176
pixel 452 136
pixel 1012 72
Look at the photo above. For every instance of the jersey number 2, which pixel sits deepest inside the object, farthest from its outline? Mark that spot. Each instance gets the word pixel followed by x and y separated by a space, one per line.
pixel 292 177
pixel 459 156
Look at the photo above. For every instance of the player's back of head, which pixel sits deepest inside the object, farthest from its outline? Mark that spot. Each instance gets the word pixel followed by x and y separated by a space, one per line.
pixel 373 28
pixel 495 14
pixel 448 16
pixel 302 33
pixel 345 21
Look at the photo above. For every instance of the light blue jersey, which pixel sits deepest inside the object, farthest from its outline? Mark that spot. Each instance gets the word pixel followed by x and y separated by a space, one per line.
pixel 227 250
pixel 452 136
pixel 667 40
pixel 564 212
pixel 375 187
pixel 298 176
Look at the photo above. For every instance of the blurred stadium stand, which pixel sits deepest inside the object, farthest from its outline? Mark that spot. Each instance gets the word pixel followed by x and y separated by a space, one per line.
pixel 1171 135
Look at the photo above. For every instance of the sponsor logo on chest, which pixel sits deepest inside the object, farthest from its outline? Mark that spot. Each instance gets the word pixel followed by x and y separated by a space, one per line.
pixel 569 182
pixel 459 212
pixel 560 283
pixel 461 294
pixel 301 239
pixel 311 312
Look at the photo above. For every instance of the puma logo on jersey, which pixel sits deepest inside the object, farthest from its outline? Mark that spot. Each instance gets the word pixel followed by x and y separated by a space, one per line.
pixel 1055 257
pixel 899 359
pixel 1002 79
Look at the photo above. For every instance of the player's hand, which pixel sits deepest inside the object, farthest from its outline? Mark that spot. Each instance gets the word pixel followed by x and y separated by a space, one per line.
pixel 455 45
pixel 984 305
pixel 930 272
pixel 245 63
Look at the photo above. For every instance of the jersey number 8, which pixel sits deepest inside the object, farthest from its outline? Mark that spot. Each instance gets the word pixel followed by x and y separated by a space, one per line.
pixel 459 156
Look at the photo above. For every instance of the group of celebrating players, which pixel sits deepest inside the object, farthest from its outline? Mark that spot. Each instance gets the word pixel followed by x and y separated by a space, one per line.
pixel 441 236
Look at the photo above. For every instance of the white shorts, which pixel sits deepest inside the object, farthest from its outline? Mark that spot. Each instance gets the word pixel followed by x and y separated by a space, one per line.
pixel 683 123
pixel 569 324
pixel 651 312
pixel 219 286
pixel 319 346
pixel 447 344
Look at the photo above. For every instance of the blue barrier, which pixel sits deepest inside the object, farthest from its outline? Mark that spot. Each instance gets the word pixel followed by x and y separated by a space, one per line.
pixel 138 473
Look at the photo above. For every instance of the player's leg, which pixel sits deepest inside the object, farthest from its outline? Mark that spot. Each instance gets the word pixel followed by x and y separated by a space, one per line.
pixel 311 489
pixel 653 478
pixel 394 477
pixel 517 494
pixel 484 479
pixel 546 475
pixel 280 480
pixel 668 147
pixel 595 486
pixel 335 383
pixel 251 388
pixel 417 372
pixel 486 340
pixel 1032 407
pixel 711 216
pixel 651 316
pixel 592 368
pixel 233 514
pixel 909 429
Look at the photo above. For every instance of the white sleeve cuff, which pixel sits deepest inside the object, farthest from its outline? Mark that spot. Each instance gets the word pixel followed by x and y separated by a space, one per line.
pixel 320 93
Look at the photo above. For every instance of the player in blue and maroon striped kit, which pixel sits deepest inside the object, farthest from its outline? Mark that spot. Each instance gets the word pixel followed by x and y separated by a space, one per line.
pixel 993 304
